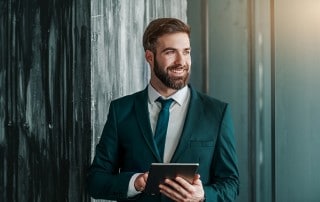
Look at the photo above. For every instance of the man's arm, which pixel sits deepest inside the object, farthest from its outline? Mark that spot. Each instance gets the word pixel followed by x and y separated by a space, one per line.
pixel 104 179
pixel 224 167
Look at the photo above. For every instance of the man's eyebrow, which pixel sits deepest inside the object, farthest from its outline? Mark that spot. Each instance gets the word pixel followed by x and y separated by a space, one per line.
pixel 173 49
pixel 167 49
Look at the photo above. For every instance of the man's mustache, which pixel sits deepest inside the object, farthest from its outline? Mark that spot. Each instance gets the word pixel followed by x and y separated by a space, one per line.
pixel 173 67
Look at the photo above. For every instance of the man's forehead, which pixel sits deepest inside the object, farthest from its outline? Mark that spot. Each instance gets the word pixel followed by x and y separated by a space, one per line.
pixel 175 41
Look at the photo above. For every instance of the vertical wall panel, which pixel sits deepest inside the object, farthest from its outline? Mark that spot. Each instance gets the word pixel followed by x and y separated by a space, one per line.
pixel 260 103
pixel 3 96
pixel 118 64
pixel 264 60
pixel 228 63
pixel 229 74
pixel 45 100
pixel 297 98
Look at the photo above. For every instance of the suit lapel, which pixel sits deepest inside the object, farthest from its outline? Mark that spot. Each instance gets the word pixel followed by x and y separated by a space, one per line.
pixel 190 122
pixel 142 113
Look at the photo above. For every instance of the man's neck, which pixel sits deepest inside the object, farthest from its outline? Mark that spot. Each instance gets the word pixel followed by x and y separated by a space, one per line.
pixel 163 90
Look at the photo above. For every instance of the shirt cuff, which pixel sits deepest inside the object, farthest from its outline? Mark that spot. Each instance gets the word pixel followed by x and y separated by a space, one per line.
pixel 131 189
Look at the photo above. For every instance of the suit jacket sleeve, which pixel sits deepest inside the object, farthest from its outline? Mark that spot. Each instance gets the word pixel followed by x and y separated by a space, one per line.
pixel 104 179
pixel 225 182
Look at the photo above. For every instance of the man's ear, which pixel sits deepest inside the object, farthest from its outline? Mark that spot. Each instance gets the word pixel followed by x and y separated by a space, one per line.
pixel 149 56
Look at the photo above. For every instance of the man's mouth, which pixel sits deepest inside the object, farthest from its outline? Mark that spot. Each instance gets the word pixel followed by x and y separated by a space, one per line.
pixel 178 71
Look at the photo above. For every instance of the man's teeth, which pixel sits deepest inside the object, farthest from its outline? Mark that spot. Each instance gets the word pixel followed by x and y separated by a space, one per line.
pixel 177 70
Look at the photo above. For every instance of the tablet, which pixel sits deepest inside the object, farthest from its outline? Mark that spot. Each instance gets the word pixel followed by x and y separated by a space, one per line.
pixel 160 171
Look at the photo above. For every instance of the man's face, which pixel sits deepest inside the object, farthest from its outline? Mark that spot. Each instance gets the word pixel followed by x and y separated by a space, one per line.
pixel 172 62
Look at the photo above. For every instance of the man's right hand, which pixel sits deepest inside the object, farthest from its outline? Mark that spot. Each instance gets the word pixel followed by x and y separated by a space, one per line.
pixel 140 182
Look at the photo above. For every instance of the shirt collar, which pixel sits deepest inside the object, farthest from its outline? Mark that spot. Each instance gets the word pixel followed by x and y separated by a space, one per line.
pixel 179 97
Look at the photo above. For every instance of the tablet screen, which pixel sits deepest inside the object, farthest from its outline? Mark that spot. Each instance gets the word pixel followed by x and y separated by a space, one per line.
pixel 160 171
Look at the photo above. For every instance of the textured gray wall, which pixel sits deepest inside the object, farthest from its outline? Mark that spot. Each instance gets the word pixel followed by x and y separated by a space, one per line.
pixel 118 64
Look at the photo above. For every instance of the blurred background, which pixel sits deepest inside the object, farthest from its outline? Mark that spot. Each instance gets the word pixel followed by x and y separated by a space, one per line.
pixel 63 61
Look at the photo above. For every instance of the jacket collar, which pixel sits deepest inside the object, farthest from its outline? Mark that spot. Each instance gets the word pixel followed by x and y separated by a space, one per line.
pixel 141 107
pixel 191 120
pixel 142 113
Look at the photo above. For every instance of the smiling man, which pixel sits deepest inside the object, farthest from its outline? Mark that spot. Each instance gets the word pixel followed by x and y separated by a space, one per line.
pixel 169 121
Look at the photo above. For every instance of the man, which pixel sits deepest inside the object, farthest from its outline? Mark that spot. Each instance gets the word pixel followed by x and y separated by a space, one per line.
pixel 199 130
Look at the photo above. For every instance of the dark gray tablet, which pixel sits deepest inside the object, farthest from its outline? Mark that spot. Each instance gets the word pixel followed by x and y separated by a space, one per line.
pixel 160 171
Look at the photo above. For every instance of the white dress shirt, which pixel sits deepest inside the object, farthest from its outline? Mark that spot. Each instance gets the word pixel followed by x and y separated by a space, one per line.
pixel 178 111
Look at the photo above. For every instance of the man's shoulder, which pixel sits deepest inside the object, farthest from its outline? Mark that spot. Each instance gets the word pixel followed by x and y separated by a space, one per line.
pixel 207 99
pixel 131 97
pixel 211 106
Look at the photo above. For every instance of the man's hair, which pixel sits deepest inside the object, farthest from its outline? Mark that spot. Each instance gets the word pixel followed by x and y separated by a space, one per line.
pixel 160 27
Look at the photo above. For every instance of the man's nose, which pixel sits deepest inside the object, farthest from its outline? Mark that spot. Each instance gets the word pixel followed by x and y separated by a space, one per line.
pixel 180 59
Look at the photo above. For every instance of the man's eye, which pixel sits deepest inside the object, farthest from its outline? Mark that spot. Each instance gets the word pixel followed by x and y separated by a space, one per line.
pixel 169 52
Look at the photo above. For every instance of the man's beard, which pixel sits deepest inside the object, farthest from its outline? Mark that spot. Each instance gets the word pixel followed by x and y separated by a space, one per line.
pixel 172 82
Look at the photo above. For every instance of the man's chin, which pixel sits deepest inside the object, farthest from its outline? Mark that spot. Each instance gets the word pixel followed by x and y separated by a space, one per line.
pixel 177 85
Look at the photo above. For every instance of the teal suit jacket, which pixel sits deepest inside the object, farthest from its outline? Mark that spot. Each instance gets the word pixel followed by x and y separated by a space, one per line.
pixel 126 147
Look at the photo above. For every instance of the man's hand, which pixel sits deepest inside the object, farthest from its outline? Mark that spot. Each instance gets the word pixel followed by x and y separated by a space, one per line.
pixel 181 190
pixel 140 182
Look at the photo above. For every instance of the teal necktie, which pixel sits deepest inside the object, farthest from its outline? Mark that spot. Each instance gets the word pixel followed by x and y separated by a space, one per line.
pixel 162 125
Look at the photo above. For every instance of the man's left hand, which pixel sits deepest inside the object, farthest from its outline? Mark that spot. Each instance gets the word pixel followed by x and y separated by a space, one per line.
pixel 181 190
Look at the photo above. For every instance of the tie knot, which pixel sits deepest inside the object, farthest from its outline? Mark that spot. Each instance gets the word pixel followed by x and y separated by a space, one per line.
pixel 165 104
